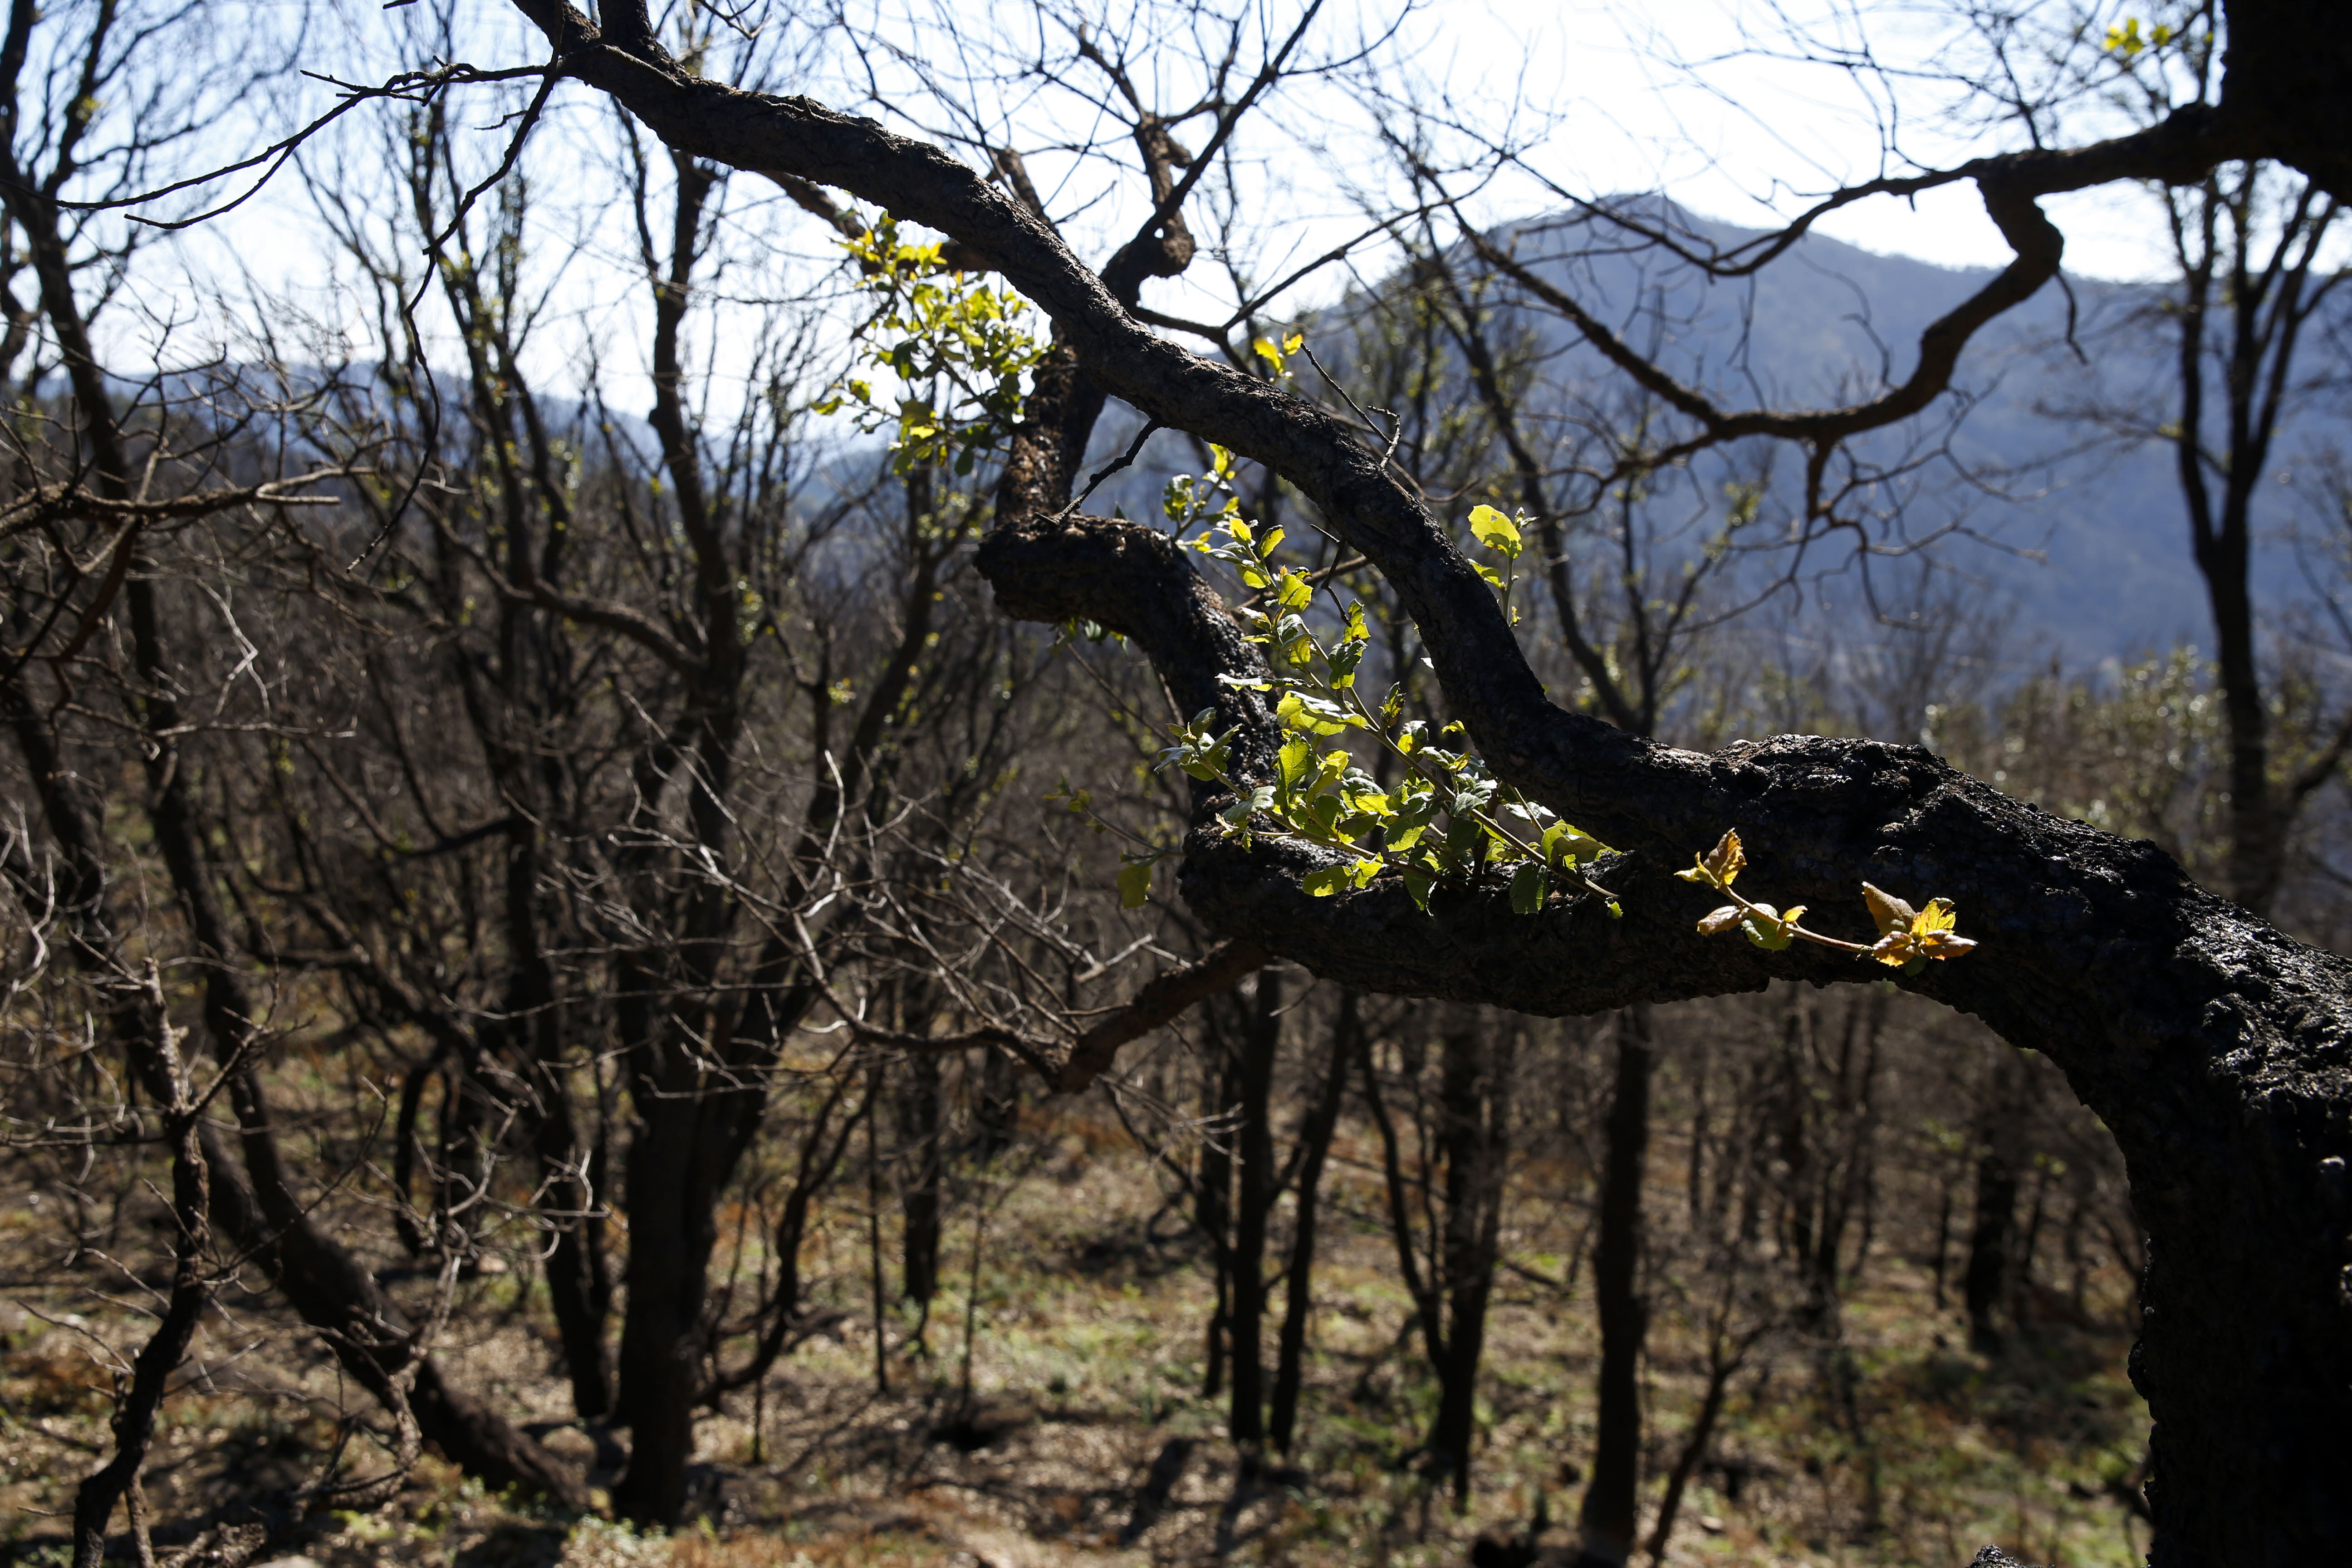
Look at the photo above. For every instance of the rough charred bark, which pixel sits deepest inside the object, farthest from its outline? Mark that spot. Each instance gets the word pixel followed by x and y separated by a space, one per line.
pixel 689 1138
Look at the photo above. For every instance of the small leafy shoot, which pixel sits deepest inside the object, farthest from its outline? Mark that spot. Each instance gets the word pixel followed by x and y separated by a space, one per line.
pixel 1908 938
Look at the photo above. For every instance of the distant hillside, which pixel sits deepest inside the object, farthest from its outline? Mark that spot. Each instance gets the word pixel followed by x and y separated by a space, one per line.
pixel 1830 323
pixel 2089 547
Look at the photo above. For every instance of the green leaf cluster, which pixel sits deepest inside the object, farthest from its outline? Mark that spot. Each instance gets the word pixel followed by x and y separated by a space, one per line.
pixel 1186 499
pixel 1448 820
pixel 957 348
pixel 2124 37
pixel 1277 357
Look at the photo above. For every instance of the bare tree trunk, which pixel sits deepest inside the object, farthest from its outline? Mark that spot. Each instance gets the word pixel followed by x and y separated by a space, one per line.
pixel 1475 1099
pixel 996 1113
pixel 1608 1515
pixel 1984 1282
pixel 1253 1083
pixel 1298 1303
pixel 690 1138
pixel 1212 1212
pixel 921 1104
pixel 1722 1362
pixel 134 1418
pixel 579 1278
pixel 333 1292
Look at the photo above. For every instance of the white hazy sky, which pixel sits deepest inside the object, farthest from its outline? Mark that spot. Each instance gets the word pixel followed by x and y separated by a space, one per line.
pixel 1663 95
pixel 1598 87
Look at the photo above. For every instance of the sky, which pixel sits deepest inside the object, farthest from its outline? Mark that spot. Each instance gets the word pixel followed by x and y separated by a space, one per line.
pixel 1696 98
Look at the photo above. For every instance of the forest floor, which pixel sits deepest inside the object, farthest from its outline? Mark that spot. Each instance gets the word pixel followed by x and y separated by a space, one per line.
pixel 1086 1440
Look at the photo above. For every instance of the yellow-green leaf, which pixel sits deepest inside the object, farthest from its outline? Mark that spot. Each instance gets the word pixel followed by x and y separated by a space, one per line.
pixel 1772 930
pixel 1294 760
pixel 1495 531
pixel 1338 878
pixel 1719 867
pixel 1892 913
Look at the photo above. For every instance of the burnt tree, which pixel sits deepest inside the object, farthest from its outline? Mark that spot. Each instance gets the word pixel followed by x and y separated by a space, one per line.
pixel 2214 1047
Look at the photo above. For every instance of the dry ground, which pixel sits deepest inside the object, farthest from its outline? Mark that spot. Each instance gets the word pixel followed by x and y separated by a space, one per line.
pixel 1088 1441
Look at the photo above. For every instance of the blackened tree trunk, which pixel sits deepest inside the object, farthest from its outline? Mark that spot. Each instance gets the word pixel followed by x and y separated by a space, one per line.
pixel 531 1032
pixel 921 1113
pixel 1471 1140
pixel 996 1109
pixel 2208 1043
pixel 328 1287
pixel 1213 1205
pixel 261 1217
pixel 1475 1099
pixel 579 1274
pixel 1984 1281
pixel 1299 1304
pixel 696 1057
pixel 1726 1353
pixel 921 1104
pixel 689 1139
pixel 1254 1201
pixel 2263 304
pixel 1608 1515
pixel 138 1405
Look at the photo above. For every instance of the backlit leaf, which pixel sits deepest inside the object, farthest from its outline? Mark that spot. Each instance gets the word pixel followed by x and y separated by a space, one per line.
pixel 1324 883
pixel 1495 531
pixel 1720 866
pixel 1892 913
